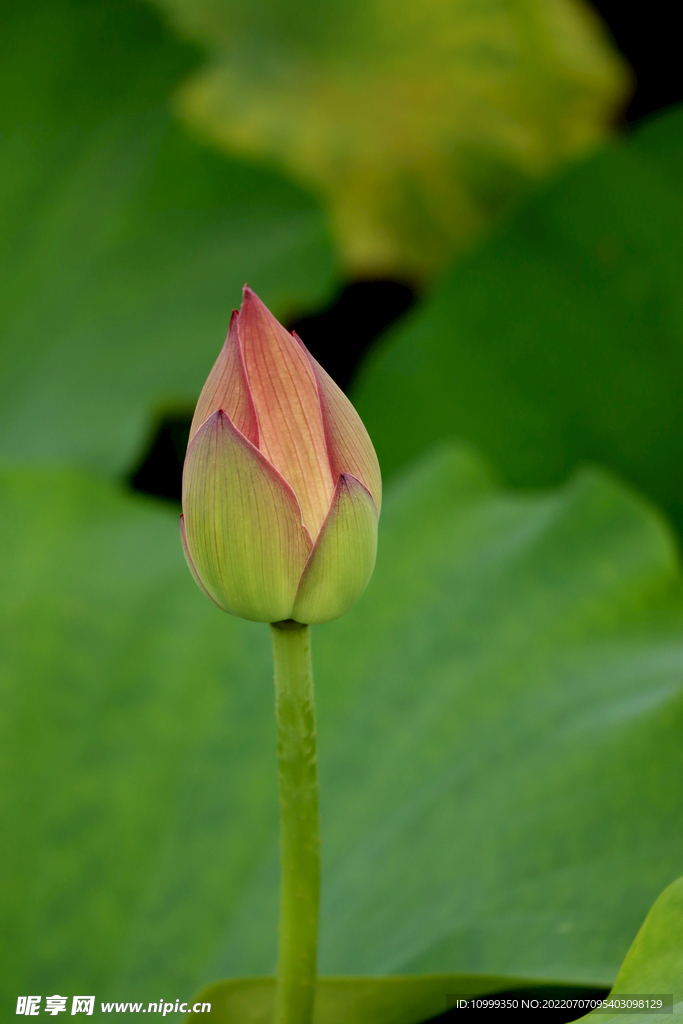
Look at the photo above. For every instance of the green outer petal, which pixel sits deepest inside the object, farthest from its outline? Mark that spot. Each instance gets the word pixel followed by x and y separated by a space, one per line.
pixel 190 564
pixel 343 558
pixel 242 524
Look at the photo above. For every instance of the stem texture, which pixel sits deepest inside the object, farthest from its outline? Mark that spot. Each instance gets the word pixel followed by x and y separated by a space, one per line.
pixel 299 823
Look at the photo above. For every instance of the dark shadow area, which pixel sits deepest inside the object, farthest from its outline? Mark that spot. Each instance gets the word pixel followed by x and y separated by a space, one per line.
pixel 651 45
pixel 160 471
pixel 337 337
pixel 530 1005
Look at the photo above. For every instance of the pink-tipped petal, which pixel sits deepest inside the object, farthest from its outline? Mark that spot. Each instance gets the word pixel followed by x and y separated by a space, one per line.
pixel 285 394
pixel 343 557
pixel 226 388
pixel 242 524
pixel 349 447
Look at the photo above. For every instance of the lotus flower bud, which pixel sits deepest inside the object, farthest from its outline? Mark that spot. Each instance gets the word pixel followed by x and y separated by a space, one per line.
pixel 281 484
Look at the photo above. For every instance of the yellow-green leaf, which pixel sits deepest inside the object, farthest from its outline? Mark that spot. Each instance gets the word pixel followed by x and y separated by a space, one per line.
pixel 390 1000
pixel 654 964
pixel 417 121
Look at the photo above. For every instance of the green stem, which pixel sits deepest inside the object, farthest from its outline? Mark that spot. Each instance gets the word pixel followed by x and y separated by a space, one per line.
pixel 299 823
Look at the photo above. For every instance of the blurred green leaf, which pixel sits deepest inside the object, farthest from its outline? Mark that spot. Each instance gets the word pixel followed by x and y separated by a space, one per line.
pixel 499 720
pixel 418 122
pixel 124 240
pixel 654 963
pixel 406 1000
pixel 561 340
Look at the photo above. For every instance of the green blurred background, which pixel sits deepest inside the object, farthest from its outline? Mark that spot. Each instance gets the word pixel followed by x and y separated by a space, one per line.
pixel 471 211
